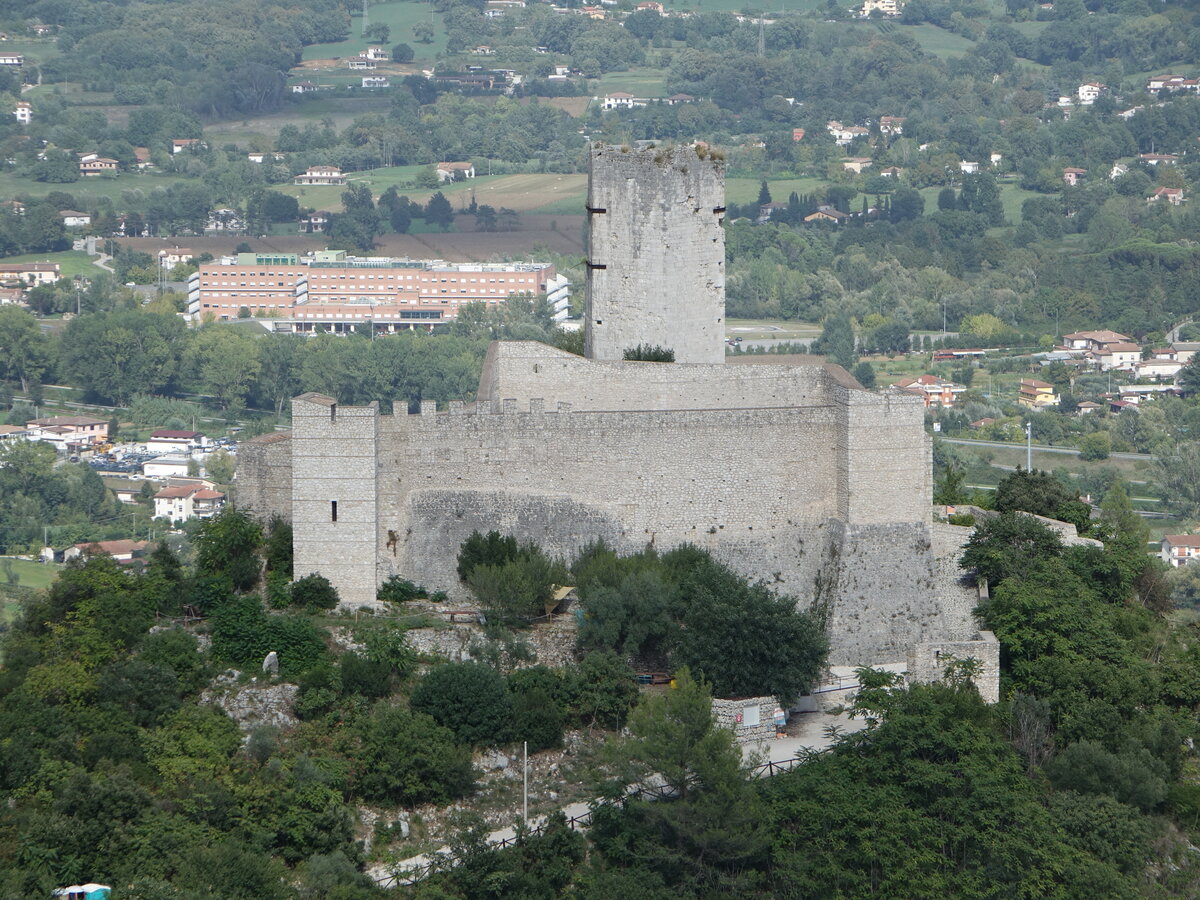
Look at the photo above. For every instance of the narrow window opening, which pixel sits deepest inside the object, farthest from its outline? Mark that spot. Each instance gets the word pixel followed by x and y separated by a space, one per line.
pixel 332 510
pixel 333 412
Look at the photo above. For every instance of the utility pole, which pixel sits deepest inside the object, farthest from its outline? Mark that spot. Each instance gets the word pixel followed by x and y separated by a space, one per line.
pixel 525 774
pixel 1028 446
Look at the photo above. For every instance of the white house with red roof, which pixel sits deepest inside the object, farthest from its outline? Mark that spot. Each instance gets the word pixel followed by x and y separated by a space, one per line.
pixel 1093 340
pixel 1174 196
pixel 183 502
pixel 121 551
pixel 933 391
pixel 454 171
pixel 1180 549
pixel 1072 175
pixel 1122 356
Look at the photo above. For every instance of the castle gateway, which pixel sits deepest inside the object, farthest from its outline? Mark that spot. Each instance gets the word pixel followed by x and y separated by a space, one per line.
pixel 790 473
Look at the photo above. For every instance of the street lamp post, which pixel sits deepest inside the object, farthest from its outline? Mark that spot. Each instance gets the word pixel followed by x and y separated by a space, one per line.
pixel 1028 446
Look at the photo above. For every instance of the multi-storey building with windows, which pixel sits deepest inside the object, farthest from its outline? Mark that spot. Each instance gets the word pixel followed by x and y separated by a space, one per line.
pixel 337 292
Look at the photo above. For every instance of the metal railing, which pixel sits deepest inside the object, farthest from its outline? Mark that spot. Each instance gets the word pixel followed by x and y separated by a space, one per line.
pixel 440 861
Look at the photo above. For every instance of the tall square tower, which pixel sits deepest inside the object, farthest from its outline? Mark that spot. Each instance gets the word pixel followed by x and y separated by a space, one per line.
pixel 656 253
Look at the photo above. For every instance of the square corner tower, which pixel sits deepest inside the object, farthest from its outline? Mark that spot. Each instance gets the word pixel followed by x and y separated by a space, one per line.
pixel 656 253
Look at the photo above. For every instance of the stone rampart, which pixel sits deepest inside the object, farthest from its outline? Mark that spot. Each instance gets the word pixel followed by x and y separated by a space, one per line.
pixel 525 370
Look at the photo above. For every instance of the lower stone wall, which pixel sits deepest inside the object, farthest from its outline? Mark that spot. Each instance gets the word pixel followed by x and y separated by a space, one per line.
pixel 751 719
pixel 927 662
pixel 880 587
pixel 263 484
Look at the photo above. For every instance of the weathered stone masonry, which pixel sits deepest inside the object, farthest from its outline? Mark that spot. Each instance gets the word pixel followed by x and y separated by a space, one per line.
pixel 794 474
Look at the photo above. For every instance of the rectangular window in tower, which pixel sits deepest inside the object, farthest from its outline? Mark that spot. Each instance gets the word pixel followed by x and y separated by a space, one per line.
pixel 332 510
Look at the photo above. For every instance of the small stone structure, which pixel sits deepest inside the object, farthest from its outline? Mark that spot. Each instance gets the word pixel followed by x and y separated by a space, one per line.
pixel 927 662
pixel 751 719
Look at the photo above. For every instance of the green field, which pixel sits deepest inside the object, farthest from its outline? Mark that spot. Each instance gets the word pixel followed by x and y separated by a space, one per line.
pixel 36 50
pixel 89 188
pixel 309 111
pixel 29 574
pixel 400 17
pixel 523 193
pixel 777 329
pixel 739 5
pixel 640 83
pixel 937 41
pixel 1011 198
pixel 72 262
pixel 745 190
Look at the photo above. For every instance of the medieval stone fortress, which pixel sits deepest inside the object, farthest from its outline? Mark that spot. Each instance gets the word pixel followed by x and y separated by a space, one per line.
pixel 790 472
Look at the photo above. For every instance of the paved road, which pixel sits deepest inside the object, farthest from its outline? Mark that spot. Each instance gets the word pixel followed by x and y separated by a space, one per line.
pixel 1173 335
pixel 812 735
pixel 1043 449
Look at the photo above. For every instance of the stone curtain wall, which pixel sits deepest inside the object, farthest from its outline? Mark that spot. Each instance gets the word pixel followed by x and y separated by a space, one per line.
pixel 659 477
pixel 759 487
pixel 263 483
pixel 526 370
pixel 885 461
pixel 656 253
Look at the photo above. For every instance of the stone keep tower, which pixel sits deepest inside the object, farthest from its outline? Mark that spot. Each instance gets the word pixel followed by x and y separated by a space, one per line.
pixel 656 253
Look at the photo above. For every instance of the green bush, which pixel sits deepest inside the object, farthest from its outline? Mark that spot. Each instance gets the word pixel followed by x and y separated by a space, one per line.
pixel 962 519
pixel 243 633
pixel 314 592
pixel 397 590
pixel 537 720
pixel 470 699
pixel 649 353
pixel 278 547
pixel 607 690
pixel 367 677
pixel 407 758
pixel 1095 446
pixel 227 545
pixel 491 549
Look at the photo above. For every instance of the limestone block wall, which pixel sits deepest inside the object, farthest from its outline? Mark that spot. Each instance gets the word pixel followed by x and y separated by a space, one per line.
pixel 751 719
pixel 525 370
pixel 880 589
pixel 639 477
pixel 334 464
pixel 263 483
pixel 884 458
pixel 656 253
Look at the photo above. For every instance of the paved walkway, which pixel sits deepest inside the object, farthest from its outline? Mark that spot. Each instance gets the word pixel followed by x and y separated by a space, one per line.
pixel 806 732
